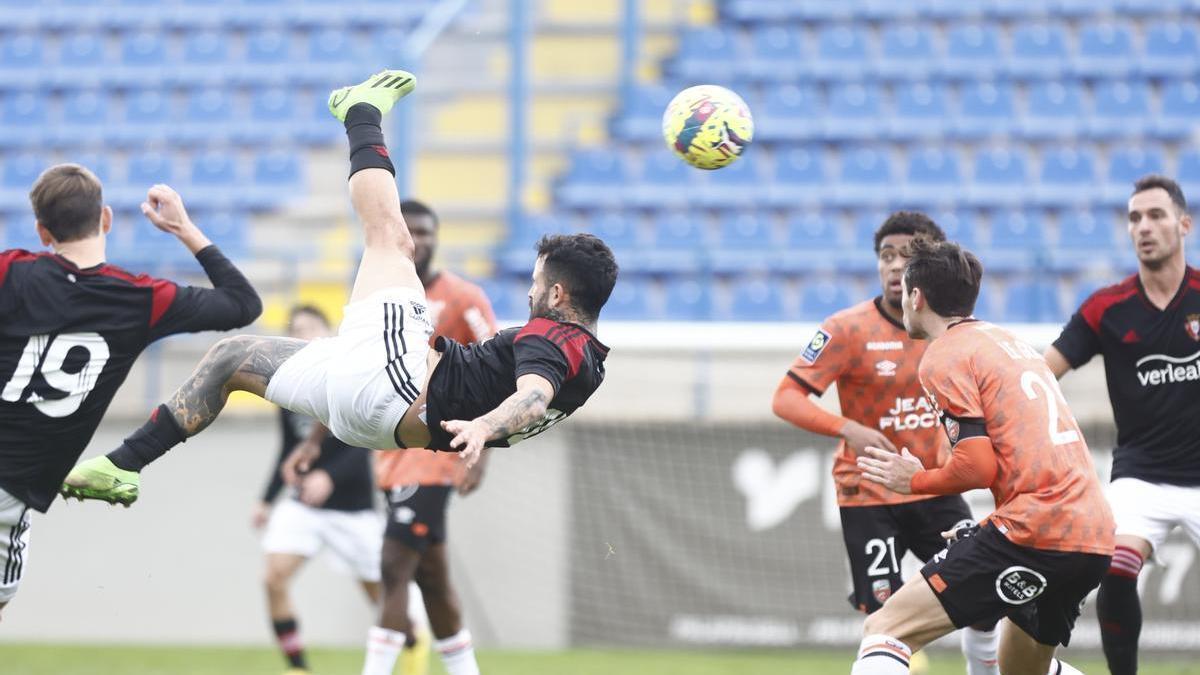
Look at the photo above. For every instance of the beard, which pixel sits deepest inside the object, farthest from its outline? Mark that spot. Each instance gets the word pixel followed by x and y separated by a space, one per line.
pixel 540 309
pixel 894 303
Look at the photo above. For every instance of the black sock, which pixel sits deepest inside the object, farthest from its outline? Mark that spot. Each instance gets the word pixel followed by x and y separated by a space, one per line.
pixel 153 440
pixel 287 632
pixel 367 149
pixel 1120 612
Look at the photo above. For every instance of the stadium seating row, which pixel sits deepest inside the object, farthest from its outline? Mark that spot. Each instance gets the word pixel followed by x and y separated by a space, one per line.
pixel 1106 109
pixel 862 175
pixel 1002 10
pixel 214 178
pixel 786 298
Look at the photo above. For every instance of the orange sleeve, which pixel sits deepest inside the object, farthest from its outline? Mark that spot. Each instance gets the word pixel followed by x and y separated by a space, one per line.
pixel 972 465
pixel 792 403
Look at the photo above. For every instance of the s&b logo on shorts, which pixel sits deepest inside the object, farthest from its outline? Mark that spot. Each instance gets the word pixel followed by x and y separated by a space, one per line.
pixel 1018 585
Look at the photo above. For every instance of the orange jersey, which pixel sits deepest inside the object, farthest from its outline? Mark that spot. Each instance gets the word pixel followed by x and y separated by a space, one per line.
pixel 1046 490
pixel 874 363
pixel 460 311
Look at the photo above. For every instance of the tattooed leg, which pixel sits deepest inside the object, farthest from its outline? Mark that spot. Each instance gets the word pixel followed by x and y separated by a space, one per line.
pixel 239 363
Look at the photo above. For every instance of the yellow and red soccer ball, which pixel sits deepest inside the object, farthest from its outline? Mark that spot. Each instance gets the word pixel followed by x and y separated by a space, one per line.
pixel 707 126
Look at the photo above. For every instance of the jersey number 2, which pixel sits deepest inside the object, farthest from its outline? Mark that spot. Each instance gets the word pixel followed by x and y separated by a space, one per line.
pixel 76 385
pixel 1031 381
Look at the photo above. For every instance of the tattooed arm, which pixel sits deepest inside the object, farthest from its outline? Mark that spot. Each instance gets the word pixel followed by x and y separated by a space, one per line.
pixel 526 406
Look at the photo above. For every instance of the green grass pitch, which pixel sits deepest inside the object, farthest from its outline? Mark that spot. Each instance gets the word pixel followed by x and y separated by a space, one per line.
pixel 29 659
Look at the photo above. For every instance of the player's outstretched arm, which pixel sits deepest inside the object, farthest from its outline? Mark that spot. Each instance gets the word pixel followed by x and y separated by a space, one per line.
pixel 793 403
pixel 239 363
pixel 164 208
pixel 1056 361
pixel 527 405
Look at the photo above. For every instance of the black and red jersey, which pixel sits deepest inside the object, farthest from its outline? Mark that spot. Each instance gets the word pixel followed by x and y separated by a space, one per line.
pixel 68 337
pixel 348 467
pixel 471 380
pixel 1152 364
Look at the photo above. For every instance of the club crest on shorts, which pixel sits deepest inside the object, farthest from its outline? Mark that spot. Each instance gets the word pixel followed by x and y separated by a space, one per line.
pixel 816 345
pixel 881 589
pixel 1018 585
pixel 1192 326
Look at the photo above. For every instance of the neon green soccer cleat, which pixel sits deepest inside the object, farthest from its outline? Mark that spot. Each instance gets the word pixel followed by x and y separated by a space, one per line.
pixel 381 90
pixel 98 478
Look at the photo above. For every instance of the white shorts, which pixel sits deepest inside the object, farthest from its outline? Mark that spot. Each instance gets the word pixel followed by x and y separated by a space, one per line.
pixel 14 543
pixel 355 537
pixel 1151 510
pixel 360 382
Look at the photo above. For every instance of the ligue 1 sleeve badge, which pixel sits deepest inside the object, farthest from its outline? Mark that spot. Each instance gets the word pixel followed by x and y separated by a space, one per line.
pixel 952 428
pixel 816 345
pixel 1192 325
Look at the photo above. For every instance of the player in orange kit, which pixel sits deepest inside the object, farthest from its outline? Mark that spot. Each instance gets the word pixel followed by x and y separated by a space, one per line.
pixel 1050 539
pixel 417 484
pixel 866 352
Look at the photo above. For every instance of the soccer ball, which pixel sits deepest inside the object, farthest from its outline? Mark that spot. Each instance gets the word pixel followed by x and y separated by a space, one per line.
pixel 708 126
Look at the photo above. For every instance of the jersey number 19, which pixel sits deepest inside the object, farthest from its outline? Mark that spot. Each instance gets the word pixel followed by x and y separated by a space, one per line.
pixel 48 354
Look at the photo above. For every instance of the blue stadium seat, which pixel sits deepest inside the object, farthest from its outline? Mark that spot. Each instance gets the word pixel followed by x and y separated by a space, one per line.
pixel 1017 230
pixel 595 179
pixel 933 176
pixel 80 50
pixel 986 109
pixel 95 162
pixel 820 299
pixel 213 180
pixel 1039 50
pixel 680 239
pixel 147 115
pixel 906 51
pixel 789 113
pixel 620 230
pixel 1180 109
pixel 21 59
pixel 1105 50
pixel 776 50
pixel 141 171
pixel 1188 171
pixel 1172 50
pixel 854 112
pixel 206 53
pixel 19 172
pixel 227 229
pixel 709 52
pixel 920 111
pixel 738 185
pixel 332 57
pixel 959 226
pixel 1068 175
pixel 276 173
pixel 23 120
pixel 1054 110
pixel 866 222
pixel 812 237
pixel 866 177
pixel 268 58
pixel 745 231
pixel 271 108
pixel 1122 109
pixel 843 52
pixel 641 115
pixel 1000 177
pixel 515 255
pixel 755 299
pixel 85 117
pixel 1085 237
pixel 143 51
pixel 1032 302
pixel 207 118
pixel 630 300
pixel 972 51
pixel 665 181
pixel 1126 165
pixel 799 176
pixel 687 299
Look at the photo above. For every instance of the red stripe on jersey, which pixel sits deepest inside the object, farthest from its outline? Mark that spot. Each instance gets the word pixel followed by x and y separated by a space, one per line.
pixel 9 257
pixel 569 339
pixel 1094 307
pixel 162 291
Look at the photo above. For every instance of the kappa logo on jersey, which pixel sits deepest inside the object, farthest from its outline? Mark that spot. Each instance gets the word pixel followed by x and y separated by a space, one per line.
pixel 816 345
pixel 1018 585
pixel 1192 325
pixel 885 368
pixel 881 589
pixel 1163 369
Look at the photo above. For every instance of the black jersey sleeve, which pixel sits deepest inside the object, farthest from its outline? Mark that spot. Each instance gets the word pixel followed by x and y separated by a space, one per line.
pixel 1078 342
pixel 537 355
pixel 231 303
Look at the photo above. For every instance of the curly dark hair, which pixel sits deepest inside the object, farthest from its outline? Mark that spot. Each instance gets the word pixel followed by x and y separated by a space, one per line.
pixel 584 265
pixel 947 274
pixel 909 222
